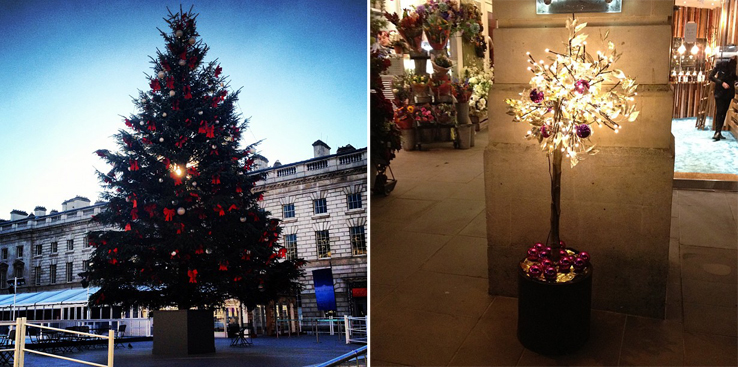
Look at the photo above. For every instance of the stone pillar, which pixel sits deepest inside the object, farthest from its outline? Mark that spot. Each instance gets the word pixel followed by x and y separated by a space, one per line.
pixel 617 204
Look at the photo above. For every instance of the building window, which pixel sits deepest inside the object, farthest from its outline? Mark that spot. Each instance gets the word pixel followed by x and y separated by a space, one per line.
pixel 38 250
pixel 290 243
pixel 70 245
pixel 5 253
pixel 324 244
pixel 288 211
pixel 19 251
pixel 70 269
pixel 52 273
pixel 18 271
pixel 358 240
pixel 3 277
pixel 88 242
pixel 354 201
pixel 86 265
pixel 320 206
pixel 37 275
pixel 54 247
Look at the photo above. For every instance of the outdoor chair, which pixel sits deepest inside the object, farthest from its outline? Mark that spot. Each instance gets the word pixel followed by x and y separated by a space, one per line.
pixel 242 338
pixel 120 335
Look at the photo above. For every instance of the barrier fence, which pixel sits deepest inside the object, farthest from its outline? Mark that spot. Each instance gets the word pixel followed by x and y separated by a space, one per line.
pixel 16 338
pixel 355 329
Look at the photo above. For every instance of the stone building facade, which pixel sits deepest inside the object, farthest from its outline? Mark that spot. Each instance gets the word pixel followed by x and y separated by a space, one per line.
pixel 47 251
pixel 322 203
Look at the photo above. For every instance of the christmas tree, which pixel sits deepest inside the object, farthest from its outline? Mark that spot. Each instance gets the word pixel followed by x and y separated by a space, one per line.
pixel 186 227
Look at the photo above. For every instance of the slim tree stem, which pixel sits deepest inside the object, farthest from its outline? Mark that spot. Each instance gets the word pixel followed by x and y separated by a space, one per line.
pixel 555 203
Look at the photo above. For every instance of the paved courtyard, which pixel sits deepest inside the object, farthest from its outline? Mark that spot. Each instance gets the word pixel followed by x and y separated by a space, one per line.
pixel 266 352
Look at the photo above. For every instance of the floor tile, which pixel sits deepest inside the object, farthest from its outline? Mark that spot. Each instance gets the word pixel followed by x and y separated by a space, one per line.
pixel 493 340
pixel 379 292
pixel 708 226
pixel 447 217
pixel 441 293
pixel 652 342
pixel 401 210
pixel 432 190
pixel 477 227
pixel 709 264
pixel 474 190
pixel 602 349
pixel 462 255
pixel 711 319
pixel 702 349
pixel 395 259
pixel 711 293
pixel 674 311
pixel 417 338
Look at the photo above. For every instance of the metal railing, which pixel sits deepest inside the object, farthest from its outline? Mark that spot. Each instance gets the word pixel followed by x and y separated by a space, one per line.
pixel 357 355
pixel 20 349
pixel 355 329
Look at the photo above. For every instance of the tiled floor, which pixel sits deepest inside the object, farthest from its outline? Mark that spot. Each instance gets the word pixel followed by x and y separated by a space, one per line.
pixel 429 300
pixel 695 151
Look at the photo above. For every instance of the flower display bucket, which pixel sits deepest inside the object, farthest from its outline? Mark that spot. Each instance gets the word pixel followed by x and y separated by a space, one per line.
pixel 554 318
pixel 465 132
pixel 408 138
pixel 462 113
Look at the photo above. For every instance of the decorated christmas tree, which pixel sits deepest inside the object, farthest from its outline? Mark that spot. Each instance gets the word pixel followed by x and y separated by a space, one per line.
pixel 569 95
pixel 186 228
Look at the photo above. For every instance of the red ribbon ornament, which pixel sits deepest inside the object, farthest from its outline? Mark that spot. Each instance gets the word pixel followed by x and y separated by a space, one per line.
pixel 134 165
pixel 193 275
pixel 168 214
pixel 170 82
pixel 218 70
pixel 219 209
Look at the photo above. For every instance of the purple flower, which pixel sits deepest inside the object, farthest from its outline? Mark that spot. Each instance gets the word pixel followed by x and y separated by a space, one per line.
pixel 583 131
pixel 420 9
pixel 581 86
pixel 536 96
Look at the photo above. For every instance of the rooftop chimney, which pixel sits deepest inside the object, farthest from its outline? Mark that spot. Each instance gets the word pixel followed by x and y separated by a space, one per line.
pixel 75 203
pixel 260 162
pixel 39 211
pixel 320 149
pixel 17 214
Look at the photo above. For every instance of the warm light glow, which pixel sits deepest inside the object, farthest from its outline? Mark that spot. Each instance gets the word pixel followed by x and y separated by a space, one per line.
pixel 682 49
pixel 708 50
pixel 694 50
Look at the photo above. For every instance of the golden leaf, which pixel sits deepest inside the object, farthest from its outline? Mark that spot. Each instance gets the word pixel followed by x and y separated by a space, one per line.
pixel 633 116
pixel 580 27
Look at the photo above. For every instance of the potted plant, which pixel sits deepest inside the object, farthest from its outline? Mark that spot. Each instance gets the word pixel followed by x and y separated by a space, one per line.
pixel 462 91
pixel 405 120
pixel 565 98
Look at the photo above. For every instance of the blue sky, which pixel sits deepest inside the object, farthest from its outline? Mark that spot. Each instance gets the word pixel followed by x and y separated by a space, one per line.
pixel 68 69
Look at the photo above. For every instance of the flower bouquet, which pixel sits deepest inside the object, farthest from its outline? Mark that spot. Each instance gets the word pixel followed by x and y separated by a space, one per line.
pixel 423 115
pixel 445 113
pixel 480 82
pixel 437 29
pixel 402 90
pixel 404 117
pixel 441 88
pixel 419 83
pixel 441 65
pixel 410 27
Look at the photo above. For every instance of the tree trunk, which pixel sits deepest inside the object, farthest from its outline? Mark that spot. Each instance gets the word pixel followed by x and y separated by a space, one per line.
pixel 555 203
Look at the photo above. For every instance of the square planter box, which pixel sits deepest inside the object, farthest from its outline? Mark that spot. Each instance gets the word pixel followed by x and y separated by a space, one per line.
pixel 183 332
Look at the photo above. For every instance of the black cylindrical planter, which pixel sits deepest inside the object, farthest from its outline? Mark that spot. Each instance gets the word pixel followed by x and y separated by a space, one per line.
pixel 553 318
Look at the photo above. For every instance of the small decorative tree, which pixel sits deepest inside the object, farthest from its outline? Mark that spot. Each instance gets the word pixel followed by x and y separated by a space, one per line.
pixel 187 230
pixel 568 96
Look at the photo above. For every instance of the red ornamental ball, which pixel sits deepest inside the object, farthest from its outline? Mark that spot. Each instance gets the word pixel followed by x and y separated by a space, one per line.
pixel 536 96
pixel 564 264
pixel 583 131
pixel 585 256
pixel 562 244
pixel 581 86
pixel 533 254
pixel 545 131
pixel 579 265
pixel 550 273
pixel 546 263
pixel 535 271
pixel 562 252
pixel 543 254
pixel 539 246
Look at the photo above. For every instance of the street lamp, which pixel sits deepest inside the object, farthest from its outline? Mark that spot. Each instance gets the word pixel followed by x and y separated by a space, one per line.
pixel 16 282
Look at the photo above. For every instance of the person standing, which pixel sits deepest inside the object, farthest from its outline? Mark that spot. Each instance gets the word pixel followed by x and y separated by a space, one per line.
pixel 724 77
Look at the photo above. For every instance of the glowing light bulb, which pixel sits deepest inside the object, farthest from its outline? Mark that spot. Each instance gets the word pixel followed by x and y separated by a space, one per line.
pixel 178 171
pixel 708 50
pixel 682 49
pixel 694 50
pixel 547 50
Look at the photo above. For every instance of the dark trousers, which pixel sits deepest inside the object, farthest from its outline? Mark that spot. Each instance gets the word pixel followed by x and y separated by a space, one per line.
pixel 721 109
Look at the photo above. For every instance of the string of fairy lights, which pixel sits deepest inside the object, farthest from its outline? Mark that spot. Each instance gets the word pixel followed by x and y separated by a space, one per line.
pixel 572 92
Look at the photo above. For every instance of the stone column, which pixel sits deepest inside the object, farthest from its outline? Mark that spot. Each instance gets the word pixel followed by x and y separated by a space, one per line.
pixel 617 204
